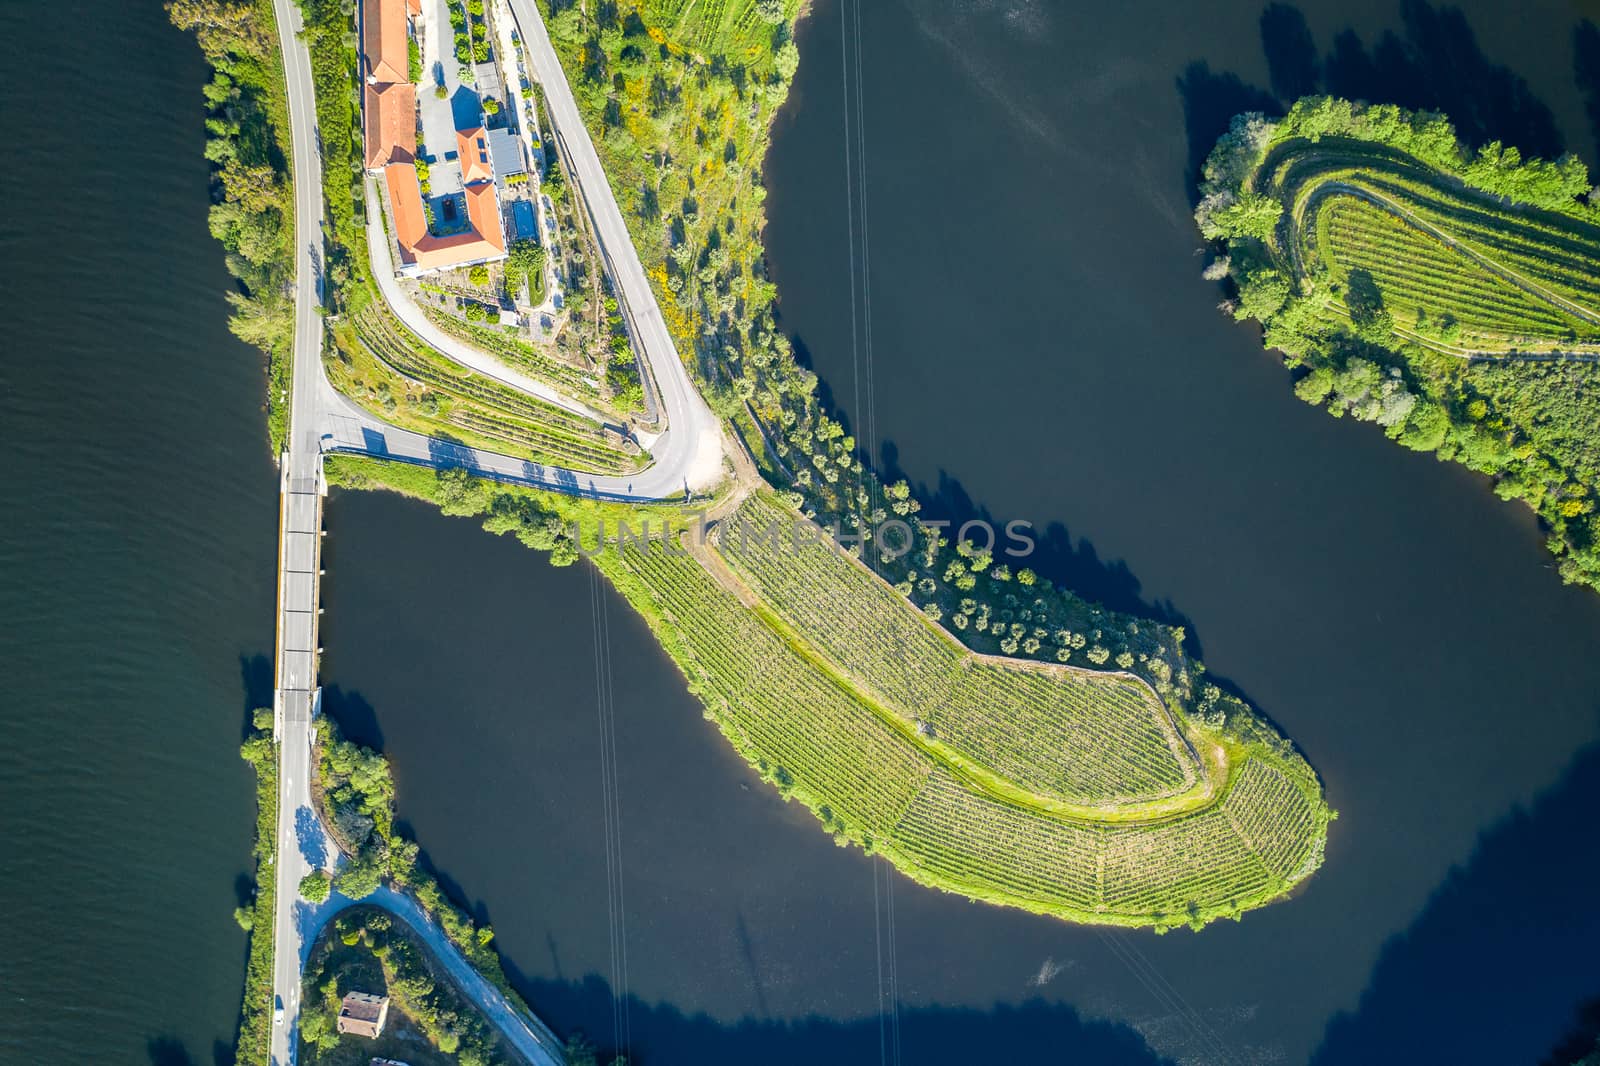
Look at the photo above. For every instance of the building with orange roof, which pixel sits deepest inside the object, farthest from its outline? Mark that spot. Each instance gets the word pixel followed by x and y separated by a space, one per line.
pixel 389 130
pixel 390 126
pixel 388 99
pixel 384 36
pixel 472 150
pixel 421 250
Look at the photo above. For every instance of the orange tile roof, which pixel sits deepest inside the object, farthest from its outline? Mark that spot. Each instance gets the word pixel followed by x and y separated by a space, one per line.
pixel 483 210
pixel 472 150
pixel 405 207
pixel 415 7
pixel 485 240
pixel 383 40
pixel 390 120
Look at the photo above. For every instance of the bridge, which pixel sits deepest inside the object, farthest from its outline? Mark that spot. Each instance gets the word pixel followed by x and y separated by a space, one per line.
pixel 689 456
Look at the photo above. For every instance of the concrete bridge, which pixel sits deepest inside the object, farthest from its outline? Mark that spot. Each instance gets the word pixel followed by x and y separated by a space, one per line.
pixel 689 457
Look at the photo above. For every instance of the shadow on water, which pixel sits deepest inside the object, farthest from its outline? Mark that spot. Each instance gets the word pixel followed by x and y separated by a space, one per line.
pixel 169 1051
pixel 1035 1031
pixel 1582 1039
pixel 1586 69
pixel 1070 564
pixel 357 719
pixel 255 676
pixel 1490 944
pixel 1292 64
pixel 1434 64
pixel 1210 100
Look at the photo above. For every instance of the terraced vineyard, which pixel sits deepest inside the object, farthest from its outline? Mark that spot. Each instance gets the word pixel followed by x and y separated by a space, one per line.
pixel 1457 270
pixel 1416 268
pixel 497 414
pixel 1448 292
pixel 872 780
pixel 1061 733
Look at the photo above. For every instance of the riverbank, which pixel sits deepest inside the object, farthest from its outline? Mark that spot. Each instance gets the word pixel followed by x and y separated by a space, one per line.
pixel 1450 296
pixel 943 785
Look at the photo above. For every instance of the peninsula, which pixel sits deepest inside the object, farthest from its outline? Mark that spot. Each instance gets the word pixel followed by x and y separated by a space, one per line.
pixel 929 697
pixel 1449 294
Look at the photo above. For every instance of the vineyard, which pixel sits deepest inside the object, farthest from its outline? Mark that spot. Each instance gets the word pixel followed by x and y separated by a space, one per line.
pixel 1447 291
pixel 1060 733
pixel 473 408
pixel 726 27
pixel 1454 268
pixel 518 353
pixel 891 789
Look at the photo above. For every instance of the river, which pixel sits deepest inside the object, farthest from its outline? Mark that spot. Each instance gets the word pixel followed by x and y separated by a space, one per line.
pixel 138 551
pixel 1041 348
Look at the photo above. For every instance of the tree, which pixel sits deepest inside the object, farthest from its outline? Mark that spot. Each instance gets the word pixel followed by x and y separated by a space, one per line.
pixel 222 26
pixel 362 875
pixel 787 60
pixel 1249 214
pixel 245 917
pixel 315 886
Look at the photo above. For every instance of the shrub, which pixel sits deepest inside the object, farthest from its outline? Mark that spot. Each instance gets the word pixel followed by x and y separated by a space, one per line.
pixel 315 886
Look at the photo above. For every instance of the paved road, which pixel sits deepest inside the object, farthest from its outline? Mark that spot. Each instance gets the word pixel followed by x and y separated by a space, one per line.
pixel 691 452
pixel 689 456
pixel 299 539
pixel 408 312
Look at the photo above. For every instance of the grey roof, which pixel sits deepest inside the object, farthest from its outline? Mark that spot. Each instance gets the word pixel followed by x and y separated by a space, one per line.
pixel 505 151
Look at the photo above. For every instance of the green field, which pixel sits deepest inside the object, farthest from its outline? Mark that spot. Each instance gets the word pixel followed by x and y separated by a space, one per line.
pixel 415 387
pixel 1077 736
pixel 822 733
pixel 812 712
pixel 1454 267
pixel 1448 292
pixel 1122 792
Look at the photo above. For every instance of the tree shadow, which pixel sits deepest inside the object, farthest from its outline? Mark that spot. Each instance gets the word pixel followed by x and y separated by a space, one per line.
pixel 1210 101
pixel 1586 69
pixel 255 675
pixel 1036 1031
pixel 169 1051
pixel 1507 937
pixel 1582 1039
pixel 1434 63
pixel 1363 296
pixel 1071 564
pixel 1293 67
pixel 357 719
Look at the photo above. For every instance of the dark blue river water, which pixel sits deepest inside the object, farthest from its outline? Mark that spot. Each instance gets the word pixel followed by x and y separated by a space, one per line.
pixel 1041 348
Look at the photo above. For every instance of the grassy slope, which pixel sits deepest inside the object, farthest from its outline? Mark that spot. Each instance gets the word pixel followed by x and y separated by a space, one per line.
pixel 653 92
pixel 255 1013
pixel 817 734
pixel 1394 339
pixel 362 324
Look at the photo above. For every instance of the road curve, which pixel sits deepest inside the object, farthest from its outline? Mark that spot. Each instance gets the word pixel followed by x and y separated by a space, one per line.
pixel 408 312
pixel 692 449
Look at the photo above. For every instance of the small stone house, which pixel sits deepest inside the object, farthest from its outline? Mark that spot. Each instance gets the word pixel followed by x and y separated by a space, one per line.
pixel 363 1014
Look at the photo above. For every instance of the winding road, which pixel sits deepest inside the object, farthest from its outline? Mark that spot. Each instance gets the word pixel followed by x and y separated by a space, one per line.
pixel 689 457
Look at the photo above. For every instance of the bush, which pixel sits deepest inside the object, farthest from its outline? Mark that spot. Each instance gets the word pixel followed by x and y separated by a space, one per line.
pixel 315 886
